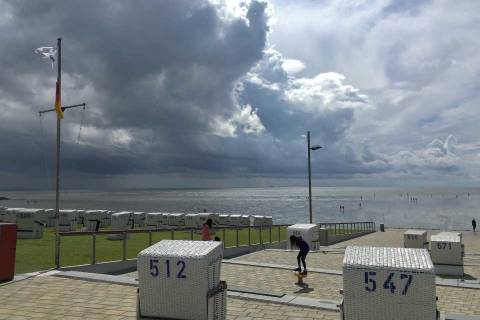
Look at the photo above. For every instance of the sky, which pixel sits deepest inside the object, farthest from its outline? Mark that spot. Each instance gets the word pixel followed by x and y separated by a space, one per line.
pixel 217 93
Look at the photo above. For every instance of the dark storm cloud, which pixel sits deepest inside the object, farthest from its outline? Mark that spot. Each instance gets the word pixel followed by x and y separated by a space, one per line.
pixel 172 86
pixel 154 74
pixel 194 88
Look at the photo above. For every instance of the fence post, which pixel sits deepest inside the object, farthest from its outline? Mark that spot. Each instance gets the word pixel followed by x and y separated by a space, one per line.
pixel 149 238
pixel 270 234
pixel 93 247
pixel 238 241
pixel 173 235
pixel 191 234
pixel 278 228
pixel 59 247
pixel 261 236
pixel 224 240
pixel 124 246
pixel 249 238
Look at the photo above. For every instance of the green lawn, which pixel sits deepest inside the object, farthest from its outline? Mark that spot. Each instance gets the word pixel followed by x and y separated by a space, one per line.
pixel 38 254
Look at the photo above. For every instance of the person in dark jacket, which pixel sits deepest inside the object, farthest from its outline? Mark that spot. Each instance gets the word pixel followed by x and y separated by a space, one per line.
pixel 304 249
pixel 474 225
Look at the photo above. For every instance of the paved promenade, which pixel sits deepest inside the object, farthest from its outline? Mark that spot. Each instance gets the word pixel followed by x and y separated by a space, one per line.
pixel 333 256
pixel 53 297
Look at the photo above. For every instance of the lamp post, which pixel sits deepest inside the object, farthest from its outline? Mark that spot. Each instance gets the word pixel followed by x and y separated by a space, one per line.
pixel 314 147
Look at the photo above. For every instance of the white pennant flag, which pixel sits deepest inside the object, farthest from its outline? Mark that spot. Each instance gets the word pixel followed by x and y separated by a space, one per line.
pixel 47 53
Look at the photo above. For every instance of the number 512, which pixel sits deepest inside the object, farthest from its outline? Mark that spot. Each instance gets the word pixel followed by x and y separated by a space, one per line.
pixel 154 270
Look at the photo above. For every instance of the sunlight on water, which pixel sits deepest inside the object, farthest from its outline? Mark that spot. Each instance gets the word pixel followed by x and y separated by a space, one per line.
pixel 434 208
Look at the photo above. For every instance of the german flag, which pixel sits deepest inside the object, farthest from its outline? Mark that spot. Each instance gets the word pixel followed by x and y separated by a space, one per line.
pixel 58 103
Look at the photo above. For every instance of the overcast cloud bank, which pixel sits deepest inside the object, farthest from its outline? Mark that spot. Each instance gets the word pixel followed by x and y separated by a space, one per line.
pixel 219 91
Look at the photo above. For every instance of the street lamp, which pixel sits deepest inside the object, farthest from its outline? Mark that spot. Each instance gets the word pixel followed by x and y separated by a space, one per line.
pixel 314 147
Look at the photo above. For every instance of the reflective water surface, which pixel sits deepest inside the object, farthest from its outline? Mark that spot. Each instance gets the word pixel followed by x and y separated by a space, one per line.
pixel 422 208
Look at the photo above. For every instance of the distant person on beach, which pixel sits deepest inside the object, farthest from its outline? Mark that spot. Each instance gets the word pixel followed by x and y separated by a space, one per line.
pixel 304 249
pixel 474 225
pixel 207 230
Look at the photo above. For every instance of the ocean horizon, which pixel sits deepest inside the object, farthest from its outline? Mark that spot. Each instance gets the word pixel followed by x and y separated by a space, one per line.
pixel 433 208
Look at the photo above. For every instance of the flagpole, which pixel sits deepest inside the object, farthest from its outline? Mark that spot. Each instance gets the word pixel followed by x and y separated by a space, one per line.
pixel 58 109
pixel 57 192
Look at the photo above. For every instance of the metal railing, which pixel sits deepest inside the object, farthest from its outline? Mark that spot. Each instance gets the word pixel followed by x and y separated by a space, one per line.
pixel 255 235
pixel 335 228
pixel 191 231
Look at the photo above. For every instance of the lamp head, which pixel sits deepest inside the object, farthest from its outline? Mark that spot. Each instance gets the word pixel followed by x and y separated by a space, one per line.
pixel 316 147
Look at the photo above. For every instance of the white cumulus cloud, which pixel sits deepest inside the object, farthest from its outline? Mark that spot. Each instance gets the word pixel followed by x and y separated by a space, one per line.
pixel 292 66
pixel 326 90
pixel 245 120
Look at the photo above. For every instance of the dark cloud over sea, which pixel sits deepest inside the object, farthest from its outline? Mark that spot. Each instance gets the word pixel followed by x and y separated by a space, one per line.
pixel 197 89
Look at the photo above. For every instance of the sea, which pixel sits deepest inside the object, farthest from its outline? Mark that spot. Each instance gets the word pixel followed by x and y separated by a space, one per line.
pixel 433 208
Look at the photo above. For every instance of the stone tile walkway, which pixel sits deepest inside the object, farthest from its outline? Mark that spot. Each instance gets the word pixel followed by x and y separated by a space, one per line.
pixel 329 260
pixel 52 297
pixel 394 238
pixel 391 238
pixel 49 297
pixel 320 286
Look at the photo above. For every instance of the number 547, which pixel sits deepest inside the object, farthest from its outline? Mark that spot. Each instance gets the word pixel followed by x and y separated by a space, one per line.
pixel 371 283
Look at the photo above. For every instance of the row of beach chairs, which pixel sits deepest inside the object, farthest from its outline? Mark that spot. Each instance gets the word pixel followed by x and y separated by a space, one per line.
pixel 31 222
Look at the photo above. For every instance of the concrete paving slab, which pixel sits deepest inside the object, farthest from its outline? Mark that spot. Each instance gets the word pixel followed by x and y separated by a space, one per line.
pixel 451 316
pixel 279 266
pixel 313 303
pixel 254 291
pixel 97 277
